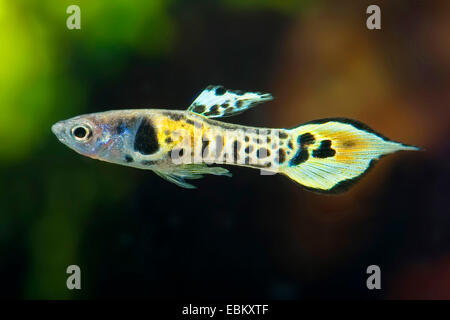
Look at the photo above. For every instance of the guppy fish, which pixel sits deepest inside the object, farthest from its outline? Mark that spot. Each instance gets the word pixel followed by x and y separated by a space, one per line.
pixel 326 155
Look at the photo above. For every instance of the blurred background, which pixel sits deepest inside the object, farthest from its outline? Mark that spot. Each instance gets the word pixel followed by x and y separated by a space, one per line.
pixel 250 236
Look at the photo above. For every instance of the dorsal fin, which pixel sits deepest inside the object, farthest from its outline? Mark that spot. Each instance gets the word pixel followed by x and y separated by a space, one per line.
pixel 216 101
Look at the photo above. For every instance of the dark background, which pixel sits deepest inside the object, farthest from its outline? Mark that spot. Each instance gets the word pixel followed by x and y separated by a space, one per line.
pixel 250 236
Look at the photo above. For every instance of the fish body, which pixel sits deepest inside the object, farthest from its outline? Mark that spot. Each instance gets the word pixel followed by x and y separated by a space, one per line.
pixel 326 155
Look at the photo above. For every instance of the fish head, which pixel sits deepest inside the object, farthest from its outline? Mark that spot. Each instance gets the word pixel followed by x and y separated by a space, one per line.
pixel 92 135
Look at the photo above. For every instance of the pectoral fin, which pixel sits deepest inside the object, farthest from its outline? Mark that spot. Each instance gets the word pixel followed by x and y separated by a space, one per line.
pixel 216 102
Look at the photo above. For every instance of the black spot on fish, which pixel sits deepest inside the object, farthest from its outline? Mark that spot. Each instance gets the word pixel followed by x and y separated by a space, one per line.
pixel 205 144
pixel 194 123
pixel 302 153
pixel 224 105
pixel 249 149
pixel 174 116
pixel 128 158
pixel 324 150
pixel 236 148
pixel 268 139
pixel 148 162
pixel 176 153
pixel 262 153
pixel 146 141
pixel 169 140
pixel 239 103
pixel 300 157
pixel 290 146
pixel 306 139
pixel 220 91
pixel 281 156
pixel 236 145
pixel 247 139
pixel 247 160
pixel 198 108
pixel 283 135
pixel 213 111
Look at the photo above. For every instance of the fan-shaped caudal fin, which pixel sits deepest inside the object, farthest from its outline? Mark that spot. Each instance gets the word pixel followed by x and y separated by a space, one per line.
pixel 332 154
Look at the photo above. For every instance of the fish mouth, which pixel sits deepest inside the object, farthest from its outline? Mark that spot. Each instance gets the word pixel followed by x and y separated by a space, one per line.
pixel 58 129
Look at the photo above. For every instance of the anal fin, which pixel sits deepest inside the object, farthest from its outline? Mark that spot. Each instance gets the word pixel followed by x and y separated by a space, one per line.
pixel 179 174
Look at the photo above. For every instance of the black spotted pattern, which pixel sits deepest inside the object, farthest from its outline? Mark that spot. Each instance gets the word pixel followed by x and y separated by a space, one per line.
pixel 281 156
pixel 307 138
pixel 146 141
pixel 324 150
pixel 283 135
pixel 174 116
pixel 198 108
pixel 302 154
pixel 236 149
pixel 213 111
pixel 128 158
pixel 194 123
pixel 205 144
pixel 220 91
pixel 176 153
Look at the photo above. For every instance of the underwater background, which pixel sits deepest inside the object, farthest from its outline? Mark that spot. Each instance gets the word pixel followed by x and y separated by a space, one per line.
pixel 135 235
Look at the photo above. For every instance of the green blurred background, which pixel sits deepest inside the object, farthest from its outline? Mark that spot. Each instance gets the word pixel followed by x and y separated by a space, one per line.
pixel 252 236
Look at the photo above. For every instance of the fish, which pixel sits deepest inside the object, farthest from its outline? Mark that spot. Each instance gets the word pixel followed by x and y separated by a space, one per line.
pixel 326 156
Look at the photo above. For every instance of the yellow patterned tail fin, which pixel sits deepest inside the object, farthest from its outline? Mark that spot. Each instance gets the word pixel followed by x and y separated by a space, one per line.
pixel 332 154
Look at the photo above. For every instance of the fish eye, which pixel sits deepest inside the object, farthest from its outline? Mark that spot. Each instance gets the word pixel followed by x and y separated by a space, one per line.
pixel 81 132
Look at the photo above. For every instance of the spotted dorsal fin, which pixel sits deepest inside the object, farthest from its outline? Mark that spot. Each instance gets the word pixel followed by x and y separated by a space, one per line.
pixel 216 102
